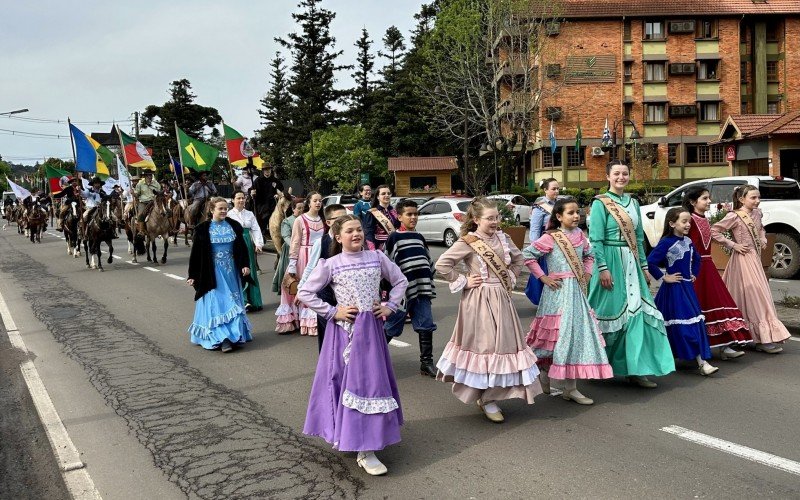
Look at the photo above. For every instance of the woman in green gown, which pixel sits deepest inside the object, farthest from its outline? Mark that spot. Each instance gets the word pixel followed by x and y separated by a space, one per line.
pixel 254 240
pixel 633 328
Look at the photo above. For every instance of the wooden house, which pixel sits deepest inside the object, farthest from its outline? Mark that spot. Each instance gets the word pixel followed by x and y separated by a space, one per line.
pixel 422 176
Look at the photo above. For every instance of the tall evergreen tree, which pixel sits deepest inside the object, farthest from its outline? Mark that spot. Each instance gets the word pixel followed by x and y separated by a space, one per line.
pixel 275 139
pixel 360 99
pixel 394 47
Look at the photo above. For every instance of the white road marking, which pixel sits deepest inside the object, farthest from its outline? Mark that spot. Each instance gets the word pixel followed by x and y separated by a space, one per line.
pixel 76 477
pixel 151 269
pixel 738 450
pixel 132 262
pixel 175 276
pixel 779 281
pixel 795 339
pixel 117 257
pixel 398 343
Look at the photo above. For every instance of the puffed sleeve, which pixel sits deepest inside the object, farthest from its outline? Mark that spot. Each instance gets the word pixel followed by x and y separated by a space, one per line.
pixel 597 234
pixel 294 245
pixel 588 255
pixel 640 237
pixel 535 251
pixel 446 264
pixel 255 229
pixel 758 216
pixel 391 273
pixel 307 292
pixel 726 224
pixel 658 256
pixel 286 231
pixel 537 222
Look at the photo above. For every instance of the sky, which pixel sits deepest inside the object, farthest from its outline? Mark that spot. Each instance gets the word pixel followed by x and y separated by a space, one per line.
pixel 101 61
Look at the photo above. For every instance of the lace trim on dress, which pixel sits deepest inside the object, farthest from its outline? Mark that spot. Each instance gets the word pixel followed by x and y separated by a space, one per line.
pixel 369 406
pixel 678 250
pixel 704 228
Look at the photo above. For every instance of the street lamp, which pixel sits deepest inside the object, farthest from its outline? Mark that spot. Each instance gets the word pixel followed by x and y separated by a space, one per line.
pixel 634 135
pixel 15 112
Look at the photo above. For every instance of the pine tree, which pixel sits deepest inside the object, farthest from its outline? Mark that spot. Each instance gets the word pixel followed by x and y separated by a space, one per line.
pixel 394 46
pixel 275 139
pixel 360 99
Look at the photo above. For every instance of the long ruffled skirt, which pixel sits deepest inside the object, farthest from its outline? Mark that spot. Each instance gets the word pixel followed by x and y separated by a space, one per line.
pixel 287 312
pixel 354 403
pixel 252 291
pixel 724 322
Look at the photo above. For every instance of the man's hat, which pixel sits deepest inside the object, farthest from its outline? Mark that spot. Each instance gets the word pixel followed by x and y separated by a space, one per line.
pixel 96 180
pixel 73 179
pixel 148 172
pixel 135 178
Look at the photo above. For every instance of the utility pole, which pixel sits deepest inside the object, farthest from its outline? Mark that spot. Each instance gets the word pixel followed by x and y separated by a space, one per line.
pixel 136 124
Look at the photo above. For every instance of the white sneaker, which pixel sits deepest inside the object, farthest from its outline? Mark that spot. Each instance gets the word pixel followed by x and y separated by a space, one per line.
pixel 370 463
pixel 706 369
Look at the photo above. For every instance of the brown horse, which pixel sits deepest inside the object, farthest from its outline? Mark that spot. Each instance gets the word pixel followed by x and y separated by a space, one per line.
pixel 158 223
pixel 9 214
pixel 187 219
pixel 178 208
pixel 284 201
pixel 36 222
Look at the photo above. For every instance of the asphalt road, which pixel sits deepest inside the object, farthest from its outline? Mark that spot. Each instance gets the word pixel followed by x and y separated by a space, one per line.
pixel 156 417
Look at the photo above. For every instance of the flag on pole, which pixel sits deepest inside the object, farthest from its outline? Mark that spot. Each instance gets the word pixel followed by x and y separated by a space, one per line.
pixel 177 170
pixel 20 192
pixel 239 148
pixel 91 157
pixel 54 178
pixel 578 137
pixel 124 178
pixel 193 153
pixel 553 144
pixel 606 141
pixel 134 153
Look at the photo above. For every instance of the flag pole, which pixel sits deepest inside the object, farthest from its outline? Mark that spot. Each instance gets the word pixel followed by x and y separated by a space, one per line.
pixel 227 152
pixel 72 143
pixel 183 176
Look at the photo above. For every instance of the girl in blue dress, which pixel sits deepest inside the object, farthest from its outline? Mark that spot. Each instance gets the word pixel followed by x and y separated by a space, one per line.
pixel 540 217
pixel 676 299
pixel 217 265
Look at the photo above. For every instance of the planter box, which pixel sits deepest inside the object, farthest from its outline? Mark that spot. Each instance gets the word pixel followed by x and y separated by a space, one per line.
pixel 721 259
pixel 517 235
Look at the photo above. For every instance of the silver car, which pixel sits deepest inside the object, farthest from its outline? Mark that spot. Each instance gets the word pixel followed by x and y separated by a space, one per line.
pixel 440 218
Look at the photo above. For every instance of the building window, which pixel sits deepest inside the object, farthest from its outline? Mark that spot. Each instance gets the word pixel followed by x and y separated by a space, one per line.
pixel 627 110
pixel 654 30
pixel 772 71
pixel 700 153
pixel 773 31
pixel 575 157
pixel 655 113
pixel 742 33
pixel 774 108
pixel 422 183
pixel 655 71
pixel 708 70
pixel 744 108
pixel 707 28
pixel 672 154
pixel 626 30
pixel 708 112
pixel 743 72
pixel 627 71
pixel 549 160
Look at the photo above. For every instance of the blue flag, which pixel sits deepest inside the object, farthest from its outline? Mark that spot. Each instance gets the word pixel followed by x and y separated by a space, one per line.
pixel 177 170
pixel 553 144
pixel 86 155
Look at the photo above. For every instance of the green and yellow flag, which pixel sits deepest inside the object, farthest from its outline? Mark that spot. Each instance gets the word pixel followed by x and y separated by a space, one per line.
pixel 195 154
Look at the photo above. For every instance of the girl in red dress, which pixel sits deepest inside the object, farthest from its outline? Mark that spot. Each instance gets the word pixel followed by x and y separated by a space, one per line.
pixel 725 324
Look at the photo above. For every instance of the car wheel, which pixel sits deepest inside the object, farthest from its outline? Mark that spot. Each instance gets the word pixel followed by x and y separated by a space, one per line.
pixel 450 237
pixel 785 257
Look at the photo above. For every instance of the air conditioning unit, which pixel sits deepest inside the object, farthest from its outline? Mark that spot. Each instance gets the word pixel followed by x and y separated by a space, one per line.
pixel 681 26
pixel 553 70
pixel 553 28
pixel 597 151
pixel 682 110
pixel 554 113
pixel 682 68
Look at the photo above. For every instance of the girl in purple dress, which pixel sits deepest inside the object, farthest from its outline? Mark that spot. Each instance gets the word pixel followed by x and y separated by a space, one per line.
pixel 354 403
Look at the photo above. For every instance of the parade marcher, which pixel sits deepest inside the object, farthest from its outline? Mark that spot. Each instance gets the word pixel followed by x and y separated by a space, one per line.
pixel 144 193
pixel 254 241
pixel 744 276
pixel 321 250
pixel 200 191
pixel 218 264
pixel 68 195
pixel 129 199
pixel 265 188
pixel 564 335
pixel 487 357
pixel 354 403
pixel 93 196
pixel 409 250
pixel 287 316
pixel 540 216
pixel 633 328
pixel 725 325
pixel 306 229
pixel 362 206
pixel 244 182
pixel 686 328
pixel 381 220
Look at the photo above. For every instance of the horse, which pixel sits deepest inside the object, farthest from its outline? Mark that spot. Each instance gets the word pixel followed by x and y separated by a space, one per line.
pixel 36 222
pixel 70 228
pixel 9 214
pixel 177 219
pixel 19 216
pixel 158 223
pixel 284 201
pixel 101 227
pixel 187 219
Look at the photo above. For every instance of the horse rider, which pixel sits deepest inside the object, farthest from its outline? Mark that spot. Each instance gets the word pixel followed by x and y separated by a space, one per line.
pixel 69 195
pixel 127 197
pixel 199 192
pixel 146 191
pixel 93 196
pixel 265 188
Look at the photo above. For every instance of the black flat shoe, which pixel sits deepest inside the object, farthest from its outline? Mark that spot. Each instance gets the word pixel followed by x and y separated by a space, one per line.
pixel 226 346
pixel 428 370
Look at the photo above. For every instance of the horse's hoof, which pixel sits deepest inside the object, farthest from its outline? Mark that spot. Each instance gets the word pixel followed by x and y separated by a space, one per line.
pixel 164 260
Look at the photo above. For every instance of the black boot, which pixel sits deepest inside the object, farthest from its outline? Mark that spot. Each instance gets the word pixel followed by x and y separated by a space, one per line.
pixel 426 366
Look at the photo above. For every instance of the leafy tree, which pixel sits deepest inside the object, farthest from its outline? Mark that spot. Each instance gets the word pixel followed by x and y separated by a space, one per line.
pixel 341 153
pixel 192 118
pixel 275 139
pixel 5 171
pixel 361 95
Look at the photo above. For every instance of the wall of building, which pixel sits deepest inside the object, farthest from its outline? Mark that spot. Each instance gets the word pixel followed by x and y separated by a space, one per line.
pixel 402 182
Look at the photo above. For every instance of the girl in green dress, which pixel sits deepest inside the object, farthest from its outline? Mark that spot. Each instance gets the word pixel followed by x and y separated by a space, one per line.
pixel 633 328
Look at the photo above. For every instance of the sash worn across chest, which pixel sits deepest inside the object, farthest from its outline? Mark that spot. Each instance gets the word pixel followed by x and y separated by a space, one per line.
pixel 546 207
pixel 494 262
pixel 624 222
pixel 569 252
pixel 751 226
pixel 383 220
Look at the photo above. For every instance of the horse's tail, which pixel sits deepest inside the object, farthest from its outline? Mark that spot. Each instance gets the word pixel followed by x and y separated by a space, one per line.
pixel 138 244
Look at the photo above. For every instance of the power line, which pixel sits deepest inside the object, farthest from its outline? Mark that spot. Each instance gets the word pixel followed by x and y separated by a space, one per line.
pixel 74 122
pixel 21 133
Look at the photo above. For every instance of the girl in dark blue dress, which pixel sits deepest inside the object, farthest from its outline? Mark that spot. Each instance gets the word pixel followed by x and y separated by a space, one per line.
pixel 676 299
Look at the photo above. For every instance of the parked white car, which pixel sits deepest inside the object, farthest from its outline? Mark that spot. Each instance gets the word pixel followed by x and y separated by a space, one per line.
pixel 517 204
pixel 780 204
pixel 440 218
pixel 348 200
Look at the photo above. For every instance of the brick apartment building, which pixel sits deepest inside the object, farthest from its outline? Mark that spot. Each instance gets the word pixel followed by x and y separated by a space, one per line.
pixel 676 69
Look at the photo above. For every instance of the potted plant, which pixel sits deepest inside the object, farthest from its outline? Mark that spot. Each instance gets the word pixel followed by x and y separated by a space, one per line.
pixel 508 224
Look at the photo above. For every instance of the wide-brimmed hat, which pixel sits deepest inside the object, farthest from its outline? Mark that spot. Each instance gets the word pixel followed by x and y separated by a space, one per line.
pixel 147 172
pixel 96 180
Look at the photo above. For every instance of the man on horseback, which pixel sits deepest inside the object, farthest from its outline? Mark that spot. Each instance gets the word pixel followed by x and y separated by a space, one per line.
pixel 69 195
pixel 199 192
pixel 264 190
pixel 93 197
pixel 144 194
